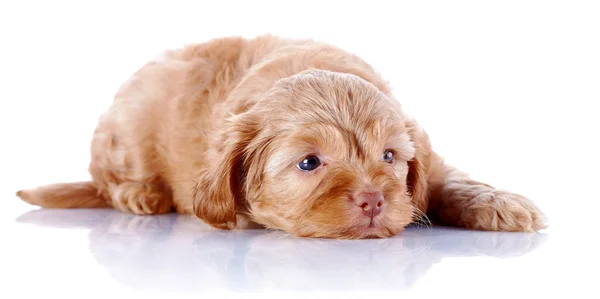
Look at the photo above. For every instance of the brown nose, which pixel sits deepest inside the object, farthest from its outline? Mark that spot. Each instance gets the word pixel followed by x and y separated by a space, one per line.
pixel 370 202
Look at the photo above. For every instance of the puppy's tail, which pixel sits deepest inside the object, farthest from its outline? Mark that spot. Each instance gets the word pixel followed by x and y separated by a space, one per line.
pixel 65 196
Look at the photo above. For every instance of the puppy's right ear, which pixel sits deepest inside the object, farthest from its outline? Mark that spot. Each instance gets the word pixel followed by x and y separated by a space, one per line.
pixel 217 193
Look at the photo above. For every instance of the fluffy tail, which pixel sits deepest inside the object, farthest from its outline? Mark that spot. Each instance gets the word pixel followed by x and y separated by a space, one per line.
pixel 65 196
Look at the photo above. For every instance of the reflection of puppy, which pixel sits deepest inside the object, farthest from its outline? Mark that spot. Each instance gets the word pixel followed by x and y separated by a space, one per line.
pixel 296 135
pixel 175 252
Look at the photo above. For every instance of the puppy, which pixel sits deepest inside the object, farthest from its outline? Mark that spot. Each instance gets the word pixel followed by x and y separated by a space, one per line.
pixel 295 135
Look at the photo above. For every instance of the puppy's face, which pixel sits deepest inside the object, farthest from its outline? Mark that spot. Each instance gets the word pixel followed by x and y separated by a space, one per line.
pixel 322 155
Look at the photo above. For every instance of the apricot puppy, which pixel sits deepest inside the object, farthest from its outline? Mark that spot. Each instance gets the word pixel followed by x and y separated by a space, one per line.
pixel 295 135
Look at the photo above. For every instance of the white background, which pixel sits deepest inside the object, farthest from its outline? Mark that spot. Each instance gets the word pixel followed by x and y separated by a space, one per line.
pixel 507 90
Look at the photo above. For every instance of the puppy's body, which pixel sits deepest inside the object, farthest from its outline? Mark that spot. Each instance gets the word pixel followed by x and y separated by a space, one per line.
pixel 210 129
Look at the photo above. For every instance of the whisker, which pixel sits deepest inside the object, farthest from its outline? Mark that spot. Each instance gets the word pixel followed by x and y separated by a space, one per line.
pixel 422 218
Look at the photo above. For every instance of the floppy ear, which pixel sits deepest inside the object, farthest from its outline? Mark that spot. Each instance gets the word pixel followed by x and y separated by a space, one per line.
pixel 417 178
pixel 218 193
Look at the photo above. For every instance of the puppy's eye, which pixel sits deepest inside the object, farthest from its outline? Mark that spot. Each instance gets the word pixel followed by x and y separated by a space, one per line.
pixel 388 156
pixel 309 163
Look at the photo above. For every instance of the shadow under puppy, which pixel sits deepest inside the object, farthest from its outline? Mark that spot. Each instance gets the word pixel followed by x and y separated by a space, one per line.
pixel 295 135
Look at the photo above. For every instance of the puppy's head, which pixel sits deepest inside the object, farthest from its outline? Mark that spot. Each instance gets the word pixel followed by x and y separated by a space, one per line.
pixel 323 154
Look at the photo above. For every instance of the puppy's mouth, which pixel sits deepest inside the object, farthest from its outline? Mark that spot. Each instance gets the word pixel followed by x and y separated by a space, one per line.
pixel 372 229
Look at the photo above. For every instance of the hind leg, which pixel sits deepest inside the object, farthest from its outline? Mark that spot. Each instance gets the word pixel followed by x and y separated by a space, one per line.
pixel 127 174
pixel 140 198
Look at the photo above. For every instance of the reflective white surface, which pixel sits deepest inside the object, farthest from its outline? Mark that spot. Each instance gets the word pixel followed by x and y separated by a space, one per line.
pixel 69 252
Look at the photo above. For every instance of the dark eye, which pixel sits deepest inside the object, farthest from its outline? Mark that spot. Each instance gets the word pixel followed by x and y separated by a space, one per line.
pixel 309 163
pixel 388 156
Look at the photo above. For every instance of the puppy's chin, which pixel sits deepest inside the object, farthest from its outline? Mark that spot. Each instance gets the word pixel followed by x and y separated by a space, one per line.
pixel 352 232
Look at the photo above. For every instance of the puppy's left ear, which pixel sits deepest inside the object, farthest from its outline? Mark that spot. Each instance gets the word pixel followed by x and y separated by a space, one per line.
pixel 418 172
pixel 218 193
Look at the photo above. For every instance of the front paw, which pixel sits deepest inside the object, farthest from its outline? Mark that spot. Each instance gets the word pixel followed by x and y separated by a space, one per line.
pixel 503 211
